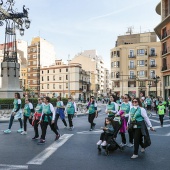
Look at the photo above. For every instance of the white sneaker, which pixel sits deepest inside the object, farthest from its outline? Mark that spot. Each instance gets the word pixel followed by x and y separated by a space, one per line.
pixel 123 144
pixel 130 145
pixel 142 150
pixel 104 143
pixel 24 133
pixel 99 142
pixel 134 156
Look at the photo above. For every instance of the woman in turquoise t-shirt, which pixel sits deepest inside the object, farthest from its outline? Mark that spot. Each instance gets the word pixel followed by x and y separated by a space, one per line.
pixel 70 110
pixel 92 108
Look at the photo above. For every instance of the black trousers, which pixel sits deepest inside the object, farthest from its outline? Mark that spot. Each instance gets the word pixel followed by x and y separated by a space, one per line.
pixel 105 136
pixel 56 120
pixel 11 122
pixel 123 137
pixel 44 129
pixel 161 118
pixel 70 119
pixel 91 119
pixel 138 140
pixel 36 128
pixel 25 122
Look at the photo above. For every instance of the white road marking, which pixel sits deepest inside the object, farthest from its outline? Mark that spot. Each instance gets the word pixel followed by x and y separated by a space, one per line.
pixel 96 131
pixel 40 158
pixel 10 167
pixel 157 121
pixel 158 127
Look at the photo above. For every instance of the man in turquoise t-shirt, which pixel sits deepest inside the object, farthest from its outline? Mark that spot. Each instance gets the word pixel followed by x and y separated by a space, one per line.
pixel 148 103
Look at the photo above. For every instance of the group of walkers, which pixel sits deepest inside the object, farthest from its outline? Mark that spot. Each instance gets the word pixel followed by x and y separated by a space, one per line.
pixel 132 117
pixel 44 115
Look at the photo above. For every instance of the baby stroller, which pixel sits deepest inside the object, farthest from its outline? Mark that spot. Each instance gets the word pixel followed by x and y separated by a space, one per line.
pixel 112 145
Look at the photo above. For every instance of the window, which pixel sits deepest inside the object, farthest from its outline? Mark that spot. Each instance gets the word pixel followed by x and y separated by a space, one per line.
pixel 53 78
pixel 66 85
pixel 28 56
pixel 141 52
pixel 142 73
pixel 141 62
pixel 34 56
pixel 152 51
pixel 116 64
pixel 42 78
pixel 142 83
pixel 60 86
pixel 34 75
pixel 48 86
pixel 152 73
pixel 152 63
pixel 42 72
pixel 42 86
pixel 132 65
pixel 132 74
pixel 131 53
pixel 60 70
pixel 28 69
pixel 29 63
pixel 59 78
pixel 66 77
pixel 112 64
pixel 53 86
pixel 111 74
pixel 48 71
pixel 47 78
pixel 66 69
pixel 53 71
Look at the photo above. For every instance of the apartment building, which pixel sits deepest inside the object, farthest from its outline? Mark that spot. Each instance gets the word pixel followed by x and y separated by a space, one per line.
pixel 40 53
pixel 23 77
pixel 135 62
pixel 91 61
pixel 65 80
pixel 107 87
pixel 163 32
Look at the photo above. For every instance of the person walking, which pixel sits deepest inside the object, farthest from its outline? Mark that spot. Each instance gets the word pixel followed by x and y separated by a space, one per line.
pixel 47 118
pixel 92 108
pixel 161 112
pixel 112 107
pixel 148 101
pixel 136 121
pixel 16 113
pixel 36 118
pixel 70 109
pixel 125 107
pixel 168 103
pixel 60 112
pixel 28 112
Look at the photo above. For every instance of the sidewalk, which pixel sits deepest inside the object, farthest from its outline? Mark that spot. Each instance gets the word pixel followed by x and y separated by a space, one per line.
pixel 6 117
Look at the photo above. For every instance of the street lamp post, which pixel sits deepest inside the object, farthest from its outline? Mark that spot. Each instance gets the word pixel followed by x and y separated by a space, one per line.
pixel 10 66
pixel 149 86
pixel 156 80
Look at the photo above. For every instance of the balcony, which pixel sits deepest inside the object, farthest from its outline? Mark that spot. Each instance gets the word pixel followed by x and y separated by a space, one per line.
pixel 164 52
pixel 152 55
pixel 132 67
pixel 131 56
pixel 165 34
pixel 132 77
pixel 152 65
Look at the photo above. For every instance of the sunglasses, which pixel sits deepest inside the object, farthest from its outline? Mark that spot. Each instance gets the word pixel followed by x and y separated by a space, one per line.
pixel 125 98
pixel 135 101
pixel 92 98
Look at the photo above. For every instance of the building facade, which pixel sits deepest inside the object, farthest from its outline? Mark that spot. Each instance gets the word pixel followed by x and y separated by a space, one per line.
pixel 134 65
pixel 65 80
pixel 163 32
pixel 40 53
pixel 91 61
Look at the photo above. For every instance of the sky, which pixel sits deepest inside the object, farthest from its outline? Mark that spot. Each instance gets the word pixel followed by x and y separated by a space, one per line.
pixel 73 26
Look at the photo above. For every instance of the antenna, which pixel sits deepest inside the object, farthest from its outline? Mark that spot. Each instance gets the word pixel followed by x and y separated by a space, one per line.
pixel 129 31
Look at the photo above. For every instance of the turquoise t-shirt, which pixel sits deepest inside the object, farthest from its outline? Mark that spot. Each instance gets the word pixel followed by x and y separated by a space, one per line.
pixel 39 108
pixel 46 110
pixel 27 110
pixel 92 108
pixel 70 108
pixel 148 101
pixel 125 107
pixel 111 107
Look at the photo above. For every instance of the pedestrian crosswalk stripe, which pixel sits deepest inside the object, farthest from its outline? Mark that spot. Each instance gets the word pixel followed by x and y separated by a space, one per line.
pixel 11 167
pixel 40 158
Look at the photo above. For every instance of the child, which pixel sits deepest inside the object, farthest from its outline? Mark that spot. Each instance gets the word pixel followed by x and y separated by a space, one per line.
pixel 108 131
pixel 161 112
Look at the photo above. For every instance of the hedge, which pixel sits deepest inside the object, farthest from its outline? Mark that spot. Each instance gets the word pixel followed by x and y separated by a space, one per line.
pixel 8 103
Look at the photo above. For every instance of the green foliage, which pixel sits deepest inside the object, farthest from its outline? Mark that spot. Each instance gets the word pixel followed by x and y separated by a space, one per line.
pixel 8 103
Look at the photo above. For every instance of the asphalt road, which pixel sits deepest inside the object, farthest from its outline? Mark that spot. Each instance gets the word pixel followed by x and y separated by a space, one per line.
pixel 77 150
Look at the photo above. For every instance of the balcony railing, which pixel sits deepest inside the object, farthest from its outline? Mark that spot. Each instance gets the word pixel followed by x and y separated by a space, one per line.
pixel 164 51
pixel 152 55
pixel 153 65
pixel 166 34
pixel 132 67
pixel 131 56
pixel 132 77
